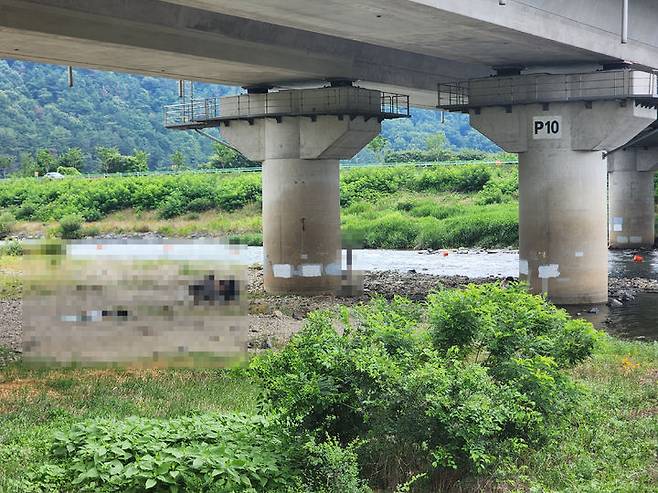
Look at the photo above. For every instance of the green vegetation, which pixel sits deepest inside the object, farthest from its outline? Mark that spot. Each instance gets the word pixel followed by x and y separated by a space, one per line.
pixel 461 386
pixel 11 283
pixel 438 206
pixel 475 388
pixel 7 222
pixel 70 226
pixel 116 110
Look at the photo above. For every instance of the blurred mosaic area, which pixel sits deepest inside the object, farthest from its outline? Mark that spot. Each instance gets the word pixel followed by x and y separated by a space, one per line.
pixel 135 304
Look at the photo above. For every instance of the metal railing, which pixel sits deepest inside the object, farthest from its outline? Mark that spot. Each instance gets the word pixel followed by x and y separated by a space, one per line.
pixel 198 113
pixel 545 88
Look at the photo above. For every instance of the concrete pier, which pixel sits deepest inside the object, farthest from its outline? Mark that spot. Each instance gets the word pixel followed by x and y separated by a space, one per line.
pixel 562 187
pixel 562 225
pixel 631 198
pixel 300 156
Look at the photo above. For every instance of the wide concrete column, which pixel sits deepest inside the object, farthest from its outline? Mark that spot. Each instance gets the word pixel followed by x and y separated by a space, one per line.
pixel 301 204
pixel 562 225
pixel 631 198
pixel 301 225
pixel 562 187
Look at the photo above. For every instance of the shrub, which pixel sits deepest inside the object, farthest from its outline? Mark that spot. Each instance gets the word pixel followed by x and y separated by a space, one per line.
pixel 499 190
pixel 200 204
pixel 12 248
pixel 236 193
pixel 471 392
pixel 173 206
pixel 25 211
pixel 213 453
pixel 7 222
pixel 68 170
pixel 70 226
pixel 463 179
pixel 491 227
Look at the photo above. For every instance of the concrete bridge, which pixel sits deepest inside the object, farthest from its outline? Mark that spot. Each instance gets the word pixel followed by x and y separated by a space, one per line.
pixel 568 85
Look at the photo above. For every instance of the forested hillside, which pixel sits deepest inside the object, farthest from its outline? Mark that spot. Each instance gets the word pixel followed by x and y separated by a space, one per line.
pixel 106 109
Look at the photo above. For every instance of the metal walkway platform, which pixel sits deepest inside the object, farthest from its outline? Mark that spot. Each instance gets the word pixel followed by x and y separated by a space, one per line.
pixel 341 102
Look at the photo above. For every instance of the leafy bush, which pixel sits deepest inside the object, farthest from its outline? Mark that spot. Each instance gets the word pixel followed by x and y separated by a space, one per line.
pixel 204 453
pixel 68 170
pixel 200 204
pixel 499 190
pixel 463 179
pixel 480 385
pixel 70 226
pixel 7 222
pixel 12 248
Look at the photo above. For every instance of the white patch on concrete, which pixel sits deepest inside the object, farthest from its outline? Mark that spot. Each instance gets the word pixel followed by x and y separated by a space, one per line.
pixel 617 224
pixel 580 254
pixel 636 239
pixel 622 239
pixel 524 268
pixel 333 269
pixel 549 271
pixel 304 256
pixel 282 270
pixel 311 270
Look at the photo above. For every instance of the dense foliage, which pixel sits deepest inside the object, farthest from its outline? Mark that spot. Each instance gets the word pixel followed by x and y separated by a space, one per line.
pixel 383 207
pixel 93 199
pixel 218 453
pixel 174 195
pixel 465 383
pixel 114 110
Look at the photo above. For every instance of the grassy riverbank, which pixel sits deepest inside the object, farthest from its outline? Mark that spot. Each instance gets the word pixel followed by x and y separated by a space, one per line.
pixel 608 443
pixel 443 206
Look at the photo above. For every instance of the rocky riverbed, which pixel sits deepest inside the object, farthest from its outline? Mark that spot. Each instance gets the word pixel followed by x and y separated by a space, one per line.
pixel 274 319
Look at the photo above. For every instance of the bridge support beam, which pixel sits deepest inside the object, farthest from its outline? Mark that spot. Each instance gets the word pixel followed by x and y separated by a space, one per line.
pixel 631 198
pixel 301 207
pixel 562 183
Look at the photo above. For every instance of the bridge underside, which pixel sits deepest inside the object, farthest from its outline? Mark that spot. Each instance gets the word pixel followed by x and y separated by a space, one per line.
pixel 391 45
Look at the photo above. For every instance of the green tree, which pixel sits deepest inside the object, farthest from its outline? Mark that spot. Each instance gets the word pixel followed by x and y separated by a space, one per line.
pixel 46 162
pixel 72 158
pixel 112 161
pixel 436 142
pixel 28 165
pixel 378 145
pixel 178 161
pixel 5 165
pixel 227 157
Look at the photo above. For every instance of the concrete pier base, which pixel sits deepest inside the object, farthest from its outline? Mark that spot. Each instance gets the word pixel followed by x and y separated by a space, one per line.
pixel 562 227
pixel 301 226
pixel 562 188
pixel 631 200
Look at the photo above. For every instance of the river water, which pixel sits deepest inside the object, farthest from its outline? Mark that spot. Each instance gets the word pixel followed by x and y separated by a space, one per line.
pixel 637 319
